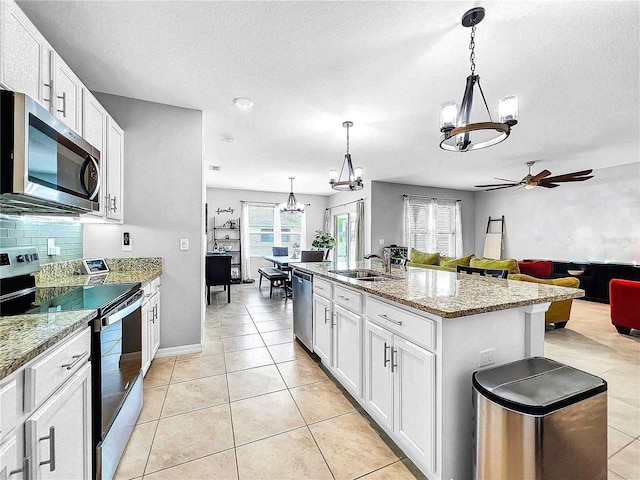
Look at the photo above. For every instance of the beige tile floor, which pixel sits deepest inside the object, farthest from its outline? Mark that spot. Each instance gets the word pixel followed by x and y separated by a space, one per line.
pixel 254 405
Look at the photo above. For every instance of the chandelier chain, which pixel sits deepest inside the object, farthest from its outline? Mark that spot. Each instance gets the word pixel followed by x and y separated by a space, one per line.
pixel 472 46
pixel 347 139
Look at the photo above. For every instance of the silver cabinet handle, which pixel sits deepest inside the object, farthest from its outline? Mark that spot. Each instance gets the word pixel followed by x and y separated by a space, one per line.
pixel 325 315
pixel 382 315
pixel 64 104
pixel 115 208
pixel 26 464
pixel 346 299
pixel 334 315
pixel 49 86
pixel 69 366
pixel 386 360
pixel 107 201
pixel 394 365
pixel 52 449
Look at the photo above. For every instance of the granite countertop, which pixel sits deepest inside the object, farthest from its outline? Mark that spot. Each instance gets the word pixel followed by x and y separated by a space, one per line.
pixel 133 276
pixel 24 337
pixel 446 294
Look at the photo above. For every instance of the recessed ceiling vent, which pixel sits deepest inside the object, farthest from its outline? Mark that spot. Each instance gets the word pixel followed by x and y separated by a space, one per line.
pixel 215 168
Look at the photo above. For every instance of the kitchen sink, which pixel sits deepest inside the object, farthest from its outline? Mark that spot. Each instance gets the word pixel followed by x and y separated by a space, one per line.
pixel 363 274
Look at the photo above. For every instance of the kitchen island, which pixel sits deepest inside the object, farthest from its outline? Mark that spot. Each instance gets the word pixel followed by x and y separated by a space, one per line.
pixel 406 347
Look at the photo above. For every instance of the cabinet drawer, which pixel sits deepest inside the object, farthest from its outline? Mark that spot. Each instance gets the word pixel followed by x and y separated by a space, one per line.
pixel 9 402
pixel 414 328
pixel 349 299
pixel 155 285
pixel 322 287
pixel 54 368
pixel 148 291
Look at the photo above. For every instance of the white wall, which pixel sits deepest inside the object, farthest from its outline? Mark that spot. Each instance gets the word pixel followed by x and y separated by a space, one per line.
pixel 225 198
pixel 595 220
pixel 387 210
pixel 163 194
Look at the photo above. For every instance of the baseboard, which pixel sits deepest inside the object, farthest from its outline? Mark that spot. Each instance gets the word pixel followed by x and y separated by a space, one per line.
pixel 182 350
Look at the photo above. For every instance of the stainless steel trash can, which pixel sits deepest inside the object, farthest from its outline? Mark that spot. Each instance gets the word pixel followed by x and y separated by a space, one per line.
pixel 539 419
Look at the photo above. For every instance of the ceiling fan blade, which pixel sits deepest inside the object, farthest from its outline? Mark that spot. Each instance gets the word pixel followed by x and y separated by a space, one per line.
pixel 500 188
pixel 506 180
pixel 498 185
pixel 568 175
pixel 575 179
pixel 540 176
pixel 548 185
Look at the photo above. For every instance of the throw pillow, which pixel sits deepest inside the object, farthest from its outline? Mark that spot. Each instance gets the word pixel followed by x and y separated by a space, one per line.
pixel 538 268
pixel 416 256
pixel 492 264
pixel 450 262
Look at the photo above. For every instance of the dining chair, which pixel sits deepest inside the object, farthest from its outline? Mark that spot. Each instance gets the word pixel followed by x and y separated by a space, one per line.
pixel 218 272
pixel 280 251
pixel 312 256
pixel 483 272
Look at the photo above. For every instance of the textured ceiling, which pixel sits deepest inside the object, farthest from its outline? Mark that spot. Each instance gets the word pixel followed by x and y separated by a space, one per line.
pixel 386 66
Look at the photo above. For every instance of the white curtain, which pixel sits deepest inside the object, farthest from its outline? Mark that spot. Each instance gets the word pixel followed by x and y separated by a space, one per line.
pixel 359 230
pixel 277 238
pixel 458 231
pixel 303 233
pixel 244 234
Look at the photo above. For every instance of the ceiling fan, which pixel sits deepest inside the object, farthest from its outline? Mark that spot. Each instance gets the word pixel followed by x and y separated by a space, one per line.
pixel 542 179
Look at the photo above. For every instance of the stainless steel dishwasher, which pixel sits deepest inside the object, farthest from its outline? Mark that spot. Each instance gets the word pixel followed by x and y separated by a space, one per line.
pixel 303 308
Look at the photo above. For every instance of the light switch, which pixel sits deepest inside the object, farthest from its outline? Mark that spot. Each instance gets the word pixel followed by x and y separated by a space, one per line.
pixel 184 244
pixel 126 242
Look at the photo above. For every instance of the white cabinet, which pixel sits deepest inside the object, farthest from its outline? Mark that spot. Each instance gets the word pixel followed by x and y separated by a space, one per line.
pixel 150 323
pixel 379 379
pixel 400 390
pixel 347 360
pixel 67 90
pixel 14 464
pixel 58 434
pixel 323 329
pixel 112 193
pixel 24 55
pixel 94 131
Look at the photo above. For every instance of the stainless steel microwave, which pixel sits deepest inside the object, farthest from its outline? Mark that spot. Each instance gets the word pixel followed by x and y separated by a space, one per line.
pixel 46 167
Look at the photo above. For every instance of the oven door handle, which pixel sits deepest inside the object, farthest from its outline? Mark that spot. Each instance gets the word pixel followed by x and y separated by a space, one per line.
pixel 120 314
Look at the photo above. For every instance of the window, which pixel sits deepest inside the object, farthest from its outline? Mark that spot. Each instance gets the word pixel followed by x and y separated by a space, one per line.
pixel 433 225
pixel 263 234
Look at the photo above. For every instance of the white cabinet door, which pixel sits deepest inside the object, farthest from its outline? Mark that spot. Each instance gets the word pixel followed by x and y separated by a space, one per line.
pixel 13 464
pixel 347 360
pixel 67 88
pixel 154 316
pixel 115 169
pixel 94 131
pixel 58 434
pixel 146 341
pixel 378 377
pixel 323 329
pixel 24 55
pixel 414 399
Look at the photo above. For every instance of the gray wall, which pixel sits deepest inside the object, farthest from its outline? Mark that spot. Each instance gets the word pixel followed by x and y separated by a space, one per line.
pixel 387 212
pixel 597 220
pixel 164 201
pixel 16 231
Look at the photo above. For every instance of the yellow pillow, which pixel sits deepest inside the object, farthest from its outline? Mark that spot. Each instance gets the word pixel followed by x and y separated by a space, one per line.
pixel 450 262
pixel 416 256
pixel 491 264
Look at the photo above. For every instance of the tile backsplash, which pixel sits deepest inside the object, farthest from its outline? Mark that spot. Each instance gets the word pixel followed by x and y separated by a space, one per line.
pixel 16 231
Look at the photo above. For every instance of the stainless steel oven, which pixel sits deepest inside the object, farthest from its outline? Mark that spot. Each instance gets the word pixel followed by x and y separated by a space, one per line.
pixel 116 380
pixel 46 166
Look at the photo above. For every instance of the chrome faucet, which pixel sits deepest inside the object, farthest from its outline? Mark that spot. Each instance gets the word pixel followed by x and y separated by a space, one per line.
pixel 386 260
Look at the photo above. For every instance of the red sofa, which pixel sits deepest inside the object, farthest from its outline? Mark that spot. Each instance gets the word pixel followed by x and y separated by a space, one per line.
pixel 624 297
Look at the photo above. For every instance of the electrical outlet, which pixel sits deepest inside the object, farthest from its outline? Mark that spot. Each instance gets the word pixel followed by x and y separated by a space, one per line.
pixel 487 357
pixel 184 244
pixel 126 242
pixel 381 241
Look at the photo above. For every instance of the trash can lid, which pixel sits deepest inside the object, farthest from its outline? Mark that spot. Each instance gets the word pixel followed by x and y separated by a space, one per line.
pixel 536 385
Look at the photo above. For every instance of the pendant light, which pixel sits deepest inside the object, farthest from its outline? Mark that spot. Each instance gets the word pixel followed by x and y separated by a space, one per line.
pixel 291 206
pixel 459 134
pixel 353 180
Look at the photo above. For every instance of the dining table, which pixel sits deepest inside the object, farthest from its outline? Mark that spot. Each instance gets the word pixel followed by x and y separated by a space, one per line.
pixel 281 260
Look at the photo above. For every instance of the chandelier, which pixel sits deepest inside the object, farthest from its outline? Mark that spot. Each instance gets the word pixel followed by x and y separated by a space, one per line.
pixel 459 134
pixel 291 206
pixel 353 176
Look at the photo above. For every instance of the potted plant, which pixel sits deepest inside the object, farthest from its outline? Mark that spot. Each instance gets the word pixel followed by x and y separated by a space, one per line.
pixel 325 241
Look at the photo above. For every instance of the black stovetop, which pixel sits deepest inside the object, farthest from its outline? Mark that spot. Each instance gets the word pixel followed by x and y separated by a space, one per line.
pixel 61 299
